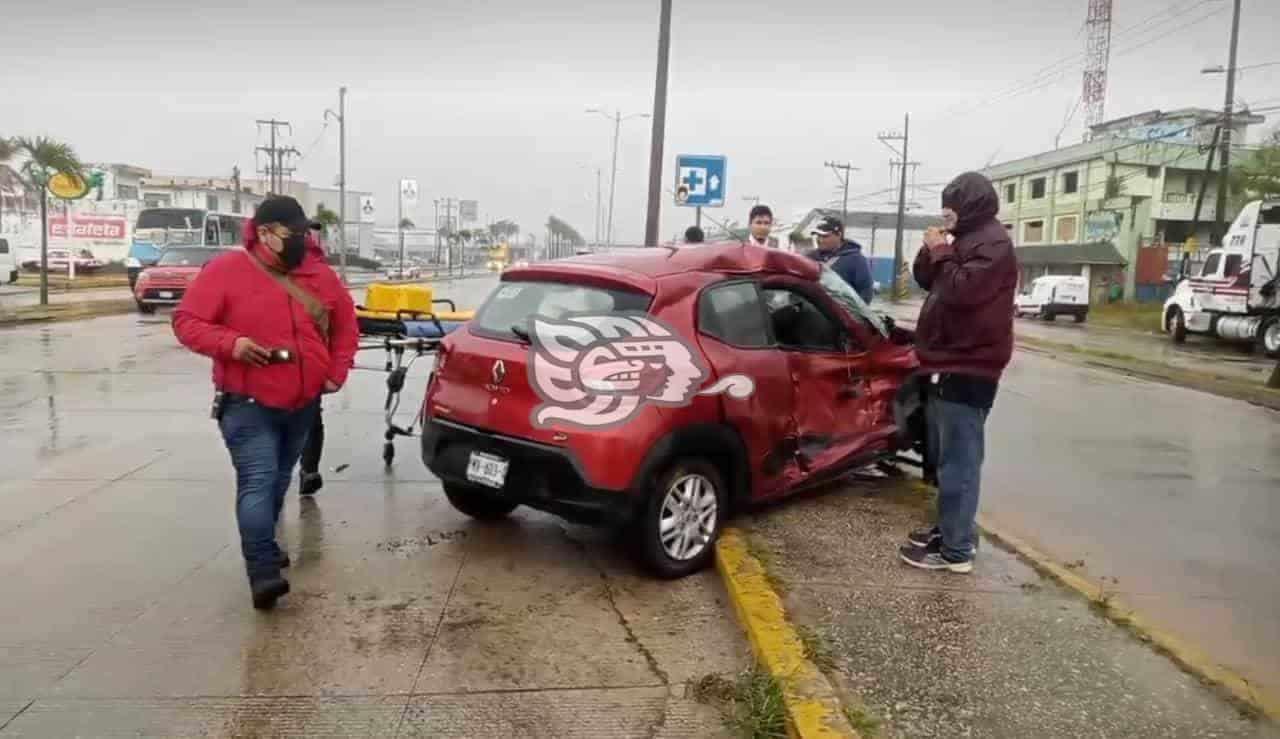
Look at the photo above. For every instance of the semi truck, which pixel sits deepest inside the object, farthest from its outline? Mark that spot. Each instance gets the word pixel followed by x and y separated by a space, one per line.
pixel 1236 295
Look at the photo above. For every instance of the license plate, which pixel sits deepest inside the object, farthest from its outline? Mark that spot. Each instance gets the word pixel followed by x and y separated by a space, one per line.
pixel 487 470
pixel 165 294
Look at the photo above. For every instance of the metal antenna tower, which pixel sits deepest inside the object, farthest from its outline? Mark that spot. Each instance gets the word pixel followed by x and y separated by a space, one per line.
pixel 1097 56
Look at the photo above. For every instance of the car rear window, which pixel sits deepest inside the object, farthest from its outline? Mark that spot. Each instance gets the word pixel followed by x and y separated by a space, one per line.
pixel 514 303
pixel 186 257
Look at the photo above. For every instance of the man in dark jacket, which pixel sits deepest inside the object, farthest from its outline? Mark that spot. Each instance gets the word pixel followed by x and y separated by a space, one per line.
pixel 964 339
pixel 845 257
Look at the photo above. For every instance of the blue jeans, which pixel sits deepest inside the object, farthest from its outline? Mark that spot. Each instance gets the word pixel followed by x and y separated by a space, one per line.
pixel 265 444
pixel 956 434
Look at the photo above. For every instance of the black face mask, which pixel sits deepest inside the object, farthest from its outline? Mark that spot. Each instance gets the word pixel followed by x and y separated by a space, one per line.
pixel 295 248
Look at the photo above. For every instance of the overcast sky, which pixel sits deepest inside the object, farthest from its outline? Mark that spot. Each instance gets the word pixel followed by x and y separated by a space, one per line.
pixel 485 100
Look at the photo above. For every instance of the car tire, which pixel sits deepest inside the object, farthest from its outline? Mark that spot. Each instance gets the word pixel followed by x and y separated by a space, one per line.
pixel 685 477
pixel 145 309
pixel 1177 325
pixel 1047 315
pixel 478 503
pixel 1269 338
pixel 1079 317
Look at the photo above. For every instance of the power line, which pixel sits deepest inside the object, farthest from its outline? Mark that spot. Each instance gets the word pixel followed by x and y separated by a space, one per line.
pixel 1053 73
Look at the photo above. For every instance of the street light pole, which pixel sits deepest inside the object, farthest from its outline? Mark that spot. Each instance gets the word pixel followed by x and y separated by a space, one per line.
pixel 653 210
pixel 341 115
pixel 1224 155
pixel 617 119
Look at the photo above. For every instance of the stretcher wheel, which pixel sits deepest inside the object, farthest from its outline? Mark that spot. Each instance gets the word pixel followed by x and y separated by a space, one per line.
pixel 388 453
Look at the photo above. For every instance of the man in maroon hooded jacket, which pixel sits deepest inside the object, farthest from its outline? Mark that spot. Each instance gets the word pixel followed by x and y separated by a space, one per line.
pixel 964 339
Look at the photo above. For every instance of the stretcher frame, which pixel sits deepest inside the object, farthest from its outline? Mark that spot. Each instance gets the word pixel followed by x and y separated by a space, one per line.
pixel 391 336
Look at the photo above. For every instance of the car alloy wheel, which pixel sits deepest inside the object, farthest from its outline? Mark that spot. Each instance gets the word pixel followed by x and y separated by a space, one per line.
pixel 688 517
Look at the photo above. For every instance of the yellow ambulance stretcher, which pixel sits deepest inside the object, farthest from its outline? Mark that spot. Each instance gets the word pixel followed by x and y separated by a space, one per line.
pixel 402 319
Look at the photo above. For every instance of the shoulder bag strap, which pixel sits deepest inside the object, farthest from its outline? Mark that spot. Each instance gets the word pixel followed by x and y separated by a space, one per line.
pixel 319 314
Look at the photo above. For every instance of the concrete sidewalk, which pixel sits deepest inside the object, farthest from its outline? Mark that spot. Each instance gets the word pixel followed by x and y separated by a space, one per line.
pixel 999 653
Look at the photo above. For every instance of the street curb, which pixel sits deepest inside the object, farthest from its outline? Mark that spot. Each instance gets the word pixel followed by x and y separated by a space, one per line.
pixel 1186 656
pixel 812 708
pixel 66 312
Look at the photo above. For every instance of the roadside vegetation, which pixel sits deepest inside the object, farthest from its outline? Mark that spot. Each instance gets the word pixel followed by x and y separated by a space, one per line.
pixel 751 703
pixel 1144 317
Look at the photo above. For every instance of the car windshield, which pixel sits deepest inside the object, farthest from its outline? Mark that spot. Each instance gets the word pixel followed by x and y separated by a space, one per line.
pixel 839 290
pixel 514 303
pixel 186 257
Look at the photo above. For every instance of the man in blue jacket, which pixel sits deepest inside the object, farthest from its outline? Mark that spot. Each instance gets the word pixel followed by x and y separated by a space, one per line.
pixel 844 257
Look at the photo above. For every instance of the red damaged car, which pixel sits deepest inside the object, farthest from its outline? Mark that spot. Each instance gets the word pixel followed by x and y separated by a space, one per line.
pixel 662 390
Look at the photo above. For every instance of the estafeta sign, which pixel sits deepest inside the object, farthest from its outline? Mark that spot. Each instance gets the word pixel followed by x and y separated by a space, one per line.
pixel 89 228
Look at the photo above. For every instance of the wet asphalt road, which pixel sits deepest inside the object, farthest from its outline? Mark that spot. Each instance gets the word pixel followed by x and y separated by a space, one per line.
pixel 126 611
pixel 1175 493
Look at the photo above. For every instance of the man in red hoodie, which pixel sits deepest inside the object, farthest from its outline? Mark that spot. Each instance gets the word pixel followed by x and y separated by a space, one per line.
pixel 964 339
pixel 281 329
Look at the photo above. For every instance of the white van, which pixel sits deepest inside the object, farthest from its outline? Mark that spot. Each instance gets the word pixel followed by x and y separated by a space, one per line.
pixel 1054 295
pixel 8 262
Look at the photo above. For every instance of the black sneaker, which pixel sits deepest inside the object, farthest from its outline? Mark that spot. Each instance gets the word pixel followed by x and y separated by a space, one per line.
pixel 925 559
pixel 283 560
pixel 266 592
pixel 309 483
pixel 924 537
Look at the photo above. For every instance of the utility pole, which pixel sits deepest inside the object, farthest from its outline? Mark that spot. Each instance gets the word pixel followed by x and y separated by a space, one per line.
pixel 904 137
pixel 235 184
pixel 1204 184
pixel 599 208
pixel 341 115
pixel 653 211
pixel 1224 155
pixel 846 168
pixel 400 225
pixel 275 156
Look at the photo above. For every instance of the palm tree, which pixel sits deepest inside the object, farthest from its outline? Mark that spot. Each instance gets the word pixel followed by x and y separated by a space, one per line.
pixel 326 218
pixel 7 152
pixel 45 158
pixel 406 224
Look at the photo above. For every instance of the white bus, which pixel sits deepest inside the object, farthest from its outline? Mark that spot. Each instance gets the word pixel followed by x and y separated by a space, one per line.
pixel 158 228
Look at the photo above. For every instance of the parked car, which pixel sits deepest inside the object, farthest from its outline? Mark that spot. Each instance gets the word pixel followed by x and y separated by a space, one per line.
pixel 59 260
pixel 410 272
pixel 1054 295
pixel 661 390
pixel 8 262
pixel 165 282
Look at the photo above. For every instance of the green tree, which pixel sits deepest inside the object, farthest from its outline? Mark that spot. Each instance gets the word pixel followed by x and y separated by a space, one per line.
pixel 7 152
pixel 1258 177
pixel 406 224
pixel 327 218
pixel 45 158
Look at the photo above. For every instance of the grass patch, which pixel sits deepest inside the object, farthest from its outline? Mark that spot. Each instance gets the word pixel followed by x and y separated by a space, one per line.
pixel 768 560
pixel 1143 317
pixel 861 721
pixel 816 648
pixel 751 703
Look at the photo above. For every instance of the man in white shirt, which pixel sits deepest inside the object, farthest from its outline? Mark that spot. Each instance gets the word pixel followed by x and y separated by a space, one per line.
pixel 761 223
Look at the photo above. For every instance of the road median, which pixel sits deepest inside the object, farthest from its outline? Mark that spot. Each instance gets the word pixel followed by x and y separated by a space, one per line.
pixel 65 311
pixel 1209 382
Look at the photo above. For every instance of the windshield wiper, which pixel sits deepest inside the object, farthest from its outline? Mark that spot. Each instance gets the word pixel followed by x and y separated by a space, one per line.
pixel 520 334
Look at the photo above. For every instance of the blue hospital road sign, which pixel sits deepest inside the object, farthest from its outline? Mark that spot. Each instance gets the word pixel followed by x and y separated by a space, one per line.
pixel 700 180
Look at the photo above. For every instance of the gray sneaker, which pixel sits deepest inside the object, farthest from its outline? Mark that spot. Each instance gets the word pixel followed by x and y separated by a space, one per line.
pixel 925 559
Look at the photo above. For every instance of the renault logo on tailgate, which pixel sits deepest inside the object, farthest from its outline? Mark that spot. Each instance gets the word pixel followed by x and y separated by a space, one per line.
pixel 499 372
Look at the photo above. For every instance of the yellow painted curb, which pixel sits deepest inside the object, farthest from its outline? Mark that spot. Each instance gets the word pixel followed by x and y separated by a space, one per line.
pixel 813 710
pixel 1187 656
